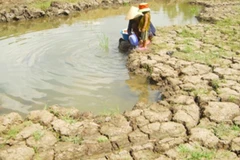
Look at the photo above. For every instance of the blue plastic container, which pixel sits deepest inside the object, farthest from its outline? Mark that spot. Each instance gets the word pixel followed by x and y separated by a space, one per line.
pixel 133 40
pixel 124 34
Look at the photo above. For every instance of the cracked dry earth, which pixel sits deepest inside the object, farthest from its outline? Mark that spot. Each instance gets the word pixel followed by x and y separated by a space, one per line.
pixel 198 117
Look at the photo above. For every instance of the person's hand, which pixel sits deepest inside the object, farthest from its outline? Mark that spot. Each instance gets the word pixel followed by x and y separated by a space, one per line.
pixel 143 30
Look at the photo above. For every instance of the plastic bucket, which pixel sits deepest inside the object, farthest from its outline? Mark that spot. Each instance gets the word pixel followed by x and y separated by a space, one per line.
pixel 125 34
pixel 133 40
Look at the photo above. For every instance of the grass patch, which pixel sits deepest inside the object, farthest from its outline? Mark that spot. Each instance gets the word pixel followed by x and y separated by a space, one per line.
pixel 195 153
pixel 215 84
pixel 226 22
pixel 37 135
pixel 206 58
pixel 195 10
pixel 15 129
pixel 102 139
pixel 224 131
pixel 148 68
pixel 201 91
pixel 111 112
pixel 75 139
pixel 235 128
pixel 43 5
pixel 67 118
pixel 188 49
pixel 232 98
pixel 103 42
pixel 187 33
pixel 11 134
pixel 2 146
pixel 35 149
pixel 46 107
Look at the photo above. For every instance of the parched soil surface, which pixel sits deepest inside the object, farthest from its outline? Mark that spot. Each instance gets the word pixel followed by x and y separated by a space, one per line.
pixel 197 69
pixel 10 3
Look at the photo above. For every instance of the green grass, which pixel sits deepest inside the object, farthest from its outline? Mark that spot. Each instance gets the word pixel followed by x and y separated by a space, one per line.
pixel 195 153
pixel 188 49
pixel 46 107
pixel 226 131
pixel 35 149
pixel 102 139
pixel 195 9
pixel 232 98
pixel 37 135
pixel 148 68
pixel 188 33
pixel 215 84
pixel 189 55
pixel 2 146
pixel 103 42
pixel 68 118
pixel 201 91
pixel 235 128
pixel 126 3
pixel 15 129
pixel 11 134
pixel 45 4
pixel 111 112
pixel 75 139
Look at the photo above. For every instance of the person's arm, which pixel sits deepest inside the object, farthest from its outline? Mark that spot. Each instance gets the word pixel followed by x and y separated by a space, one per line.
pixel 129 29
pixel 146 19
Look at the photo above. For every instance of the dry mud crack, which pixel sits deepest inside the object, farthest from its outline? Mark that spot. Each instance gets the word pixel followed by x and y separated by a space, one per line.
pixel 198 118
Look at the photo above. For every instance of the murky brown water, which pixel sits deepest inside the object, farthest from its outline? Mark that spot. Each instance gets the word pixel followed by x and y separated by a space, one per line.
pixel 60 61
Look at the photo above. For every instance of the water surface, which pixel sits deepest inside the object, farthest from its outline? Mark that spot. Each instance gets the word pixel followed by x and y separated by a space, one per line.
pixel 59 61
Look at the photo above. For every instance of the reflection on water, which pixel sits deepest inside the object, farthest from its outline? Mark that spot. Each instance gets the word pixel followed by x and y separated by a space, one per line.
pixel 147 93
pixel 59 61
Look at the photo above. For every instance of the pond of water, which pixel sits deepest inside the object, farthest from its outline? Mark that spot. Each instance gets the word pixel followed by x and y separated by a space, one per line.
pixel 59 61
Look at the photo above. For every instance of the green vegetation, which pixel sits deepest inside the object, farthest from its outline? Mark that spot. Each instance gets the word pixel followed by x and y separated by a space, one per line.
pixel 232 98
pixel 188 49
pixel 200 91
pixel 45 4
pixel 195 153
pixel 35 149
pixel 148 68
pixel 12 132
pixel 215 84
pixel 111 112
pixel 103 42
pixel 195 9
pixel 46 107
pixel 235 128
pixel 224 131
pixel 126 3
pixel 37 135
pixel 15 129
pixel 2 146
pixel 68 118
pixel 102 139
pixel 213 41
pixel 74 139
pixel 188 33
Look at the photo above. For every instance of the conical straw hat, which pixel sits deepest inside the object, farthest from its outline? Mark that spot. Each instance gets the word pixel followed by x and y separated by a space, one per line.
pixel 133 13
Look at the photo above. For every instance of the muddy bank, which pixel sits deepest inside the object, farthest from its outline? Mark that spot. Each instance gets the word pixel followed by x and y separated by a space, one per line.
pixel 57 8
pixel 198 118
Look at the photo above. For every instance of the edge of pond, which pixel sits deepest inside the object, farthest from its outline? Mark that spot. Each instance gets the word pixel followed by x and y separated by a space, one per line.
pixel 179 125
